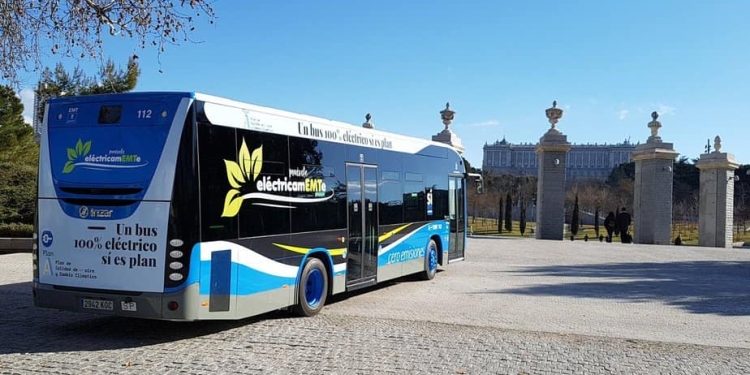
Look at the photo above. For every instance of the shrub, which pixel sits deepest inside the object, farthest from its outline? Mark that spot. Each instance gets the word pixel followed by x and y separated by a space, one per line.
pixel 16 230
pixel 17 192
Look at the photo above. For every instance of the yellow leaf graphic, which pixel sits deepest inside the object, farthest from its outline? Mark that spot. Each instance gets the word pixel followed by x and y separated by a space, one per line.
pixel 257 160
pixel 244 159
pixel 232 204
pixel 71 154
pixel 234 174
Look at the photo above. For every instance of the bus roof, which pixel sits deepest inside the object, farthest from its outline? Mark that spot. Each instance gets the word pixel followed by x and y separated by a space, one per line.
pixel 235 114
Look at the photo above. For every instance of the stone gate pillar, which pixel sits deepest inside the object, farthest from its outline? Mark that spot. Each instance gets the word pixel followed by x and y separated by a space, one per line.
pixel 716 210
pixel 550 191
pixel 652 211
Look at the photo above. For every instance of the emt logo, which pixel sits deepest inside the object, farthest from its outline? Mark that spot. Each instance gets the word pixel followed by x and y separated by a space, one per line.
pixel 247 170
pixel 113 160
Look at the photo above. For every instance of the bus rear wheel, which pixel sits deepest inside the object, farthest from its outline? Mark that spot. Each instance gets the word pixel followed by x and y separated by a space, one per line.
pixel 431 261
pixel 312 289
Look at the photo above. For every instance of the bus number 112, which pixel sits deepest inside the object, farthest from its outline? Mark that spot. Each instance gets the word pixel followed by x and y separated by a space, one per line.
pixel 144 113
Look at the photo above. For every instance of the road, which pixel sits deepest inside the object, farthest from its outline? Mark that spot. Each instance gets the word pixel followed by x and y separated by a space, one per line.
pixel 513 307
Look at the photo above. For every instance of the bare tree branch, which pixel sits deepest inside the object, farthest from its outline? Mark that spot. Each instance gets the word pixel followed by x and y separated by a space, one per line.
pixel 74 28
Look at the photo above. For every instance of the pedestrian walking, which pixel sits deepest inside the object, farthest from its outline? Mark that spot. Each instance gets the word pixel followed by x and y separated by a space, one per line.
pixel 609 225
pixel 623 224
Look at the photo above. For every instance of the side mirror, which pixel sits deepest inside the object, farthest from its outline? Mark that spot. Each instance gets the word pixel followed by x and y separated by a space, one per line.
pixel 477 180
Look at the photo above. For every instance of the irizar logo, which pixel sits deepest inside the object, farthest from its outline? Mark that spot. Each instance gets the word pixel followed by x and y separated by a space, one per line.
pixel 114 159
pixel 248 169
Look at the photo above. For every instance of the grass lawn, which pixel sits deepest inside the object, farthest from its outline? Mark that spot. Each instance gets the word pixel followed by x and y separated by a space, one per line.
pixel 688 231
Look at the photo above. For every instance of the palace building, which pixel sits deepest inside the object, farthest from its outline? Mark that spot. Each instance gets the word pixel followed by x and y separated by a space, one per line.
pixel 584 161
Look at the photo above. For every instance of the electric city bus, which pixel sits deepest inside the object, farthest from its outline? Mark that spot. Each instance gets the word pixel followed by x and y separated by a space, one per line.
pixel 185 206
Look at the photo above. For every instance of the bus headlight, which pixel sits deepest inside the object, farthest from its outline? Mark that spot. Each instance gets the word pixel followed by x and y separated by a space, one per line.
pixel 175 276
pixel 176 242
pixel 175 266
pixel 175 254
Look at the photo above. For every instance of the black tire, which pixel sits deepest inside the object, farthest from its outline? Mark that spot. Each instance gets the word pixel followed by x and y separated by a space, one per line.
pixel 312 289
pixel 430 261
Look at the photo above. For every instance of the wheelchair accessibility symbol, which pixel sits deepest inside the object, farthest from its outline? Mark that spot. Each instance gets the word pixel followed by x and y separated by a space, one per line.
pixel 46 238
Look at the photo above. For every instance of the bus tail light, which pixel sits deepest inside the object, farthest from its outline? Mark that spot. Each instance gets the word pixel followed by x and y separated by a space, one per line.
pixel 173 305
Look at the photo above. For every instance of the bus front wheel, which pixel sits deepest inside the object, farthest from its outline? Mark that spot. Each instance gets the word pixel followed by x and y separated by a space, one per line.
pixel 431 261
pixel 312 289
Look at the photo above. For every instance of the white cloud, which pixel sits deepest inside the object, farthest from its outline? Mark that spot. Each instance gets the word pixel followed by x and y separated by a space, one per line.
pixel 623 114
pixel 664 109
pixel 27 99
pixel 483 124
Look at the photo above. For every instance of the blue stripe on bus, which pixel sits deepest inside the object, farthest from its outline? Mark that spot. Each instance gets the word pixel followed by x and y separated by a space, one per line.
pixel 247 280
pixel 414 246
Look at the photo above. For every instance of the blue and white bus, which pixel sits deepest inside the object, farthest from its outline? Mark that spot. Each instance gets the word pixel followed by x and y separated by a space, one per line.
pixel 185 206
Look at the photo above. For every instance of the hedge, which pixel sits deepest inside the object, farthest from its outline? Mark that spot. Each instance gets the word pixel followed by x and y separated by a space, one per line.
pixel 16 230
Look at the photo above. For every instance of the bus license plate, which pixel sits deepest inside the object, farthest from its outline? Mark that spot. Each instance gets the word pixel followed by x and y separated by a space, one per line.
pixel 97 304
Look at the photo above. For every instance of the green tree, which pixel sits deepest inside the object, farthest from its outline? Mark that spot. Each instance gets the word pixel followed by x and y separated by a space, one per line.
pixel 500 215
pixel 18 160
pixel 16 137
pixel 508 213
pixel 624 171
pixel 522 216
pixel 31 28
pixel 686 180
pixel 575 219
pixel 17 192
pixel 109 79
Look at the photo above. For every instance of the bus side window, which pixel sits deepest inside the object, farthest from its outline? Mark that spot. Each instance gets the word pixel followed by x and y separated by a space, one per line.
pixel 215 144
pixel 262 217
pixel 315 161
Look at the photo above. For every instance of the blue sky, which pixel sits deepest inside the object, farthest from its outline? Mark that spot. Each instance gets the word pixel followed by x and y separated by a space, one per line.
pixel 499 63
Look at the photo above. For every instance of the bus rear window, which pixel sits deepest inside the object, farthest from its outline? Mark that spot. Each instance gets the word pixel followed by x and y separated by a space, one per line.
pixel 110 114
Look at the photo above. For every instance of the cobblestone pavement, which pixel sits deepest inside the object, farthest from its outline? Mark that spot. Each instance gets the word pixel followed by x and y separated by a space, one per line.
pixel 513 307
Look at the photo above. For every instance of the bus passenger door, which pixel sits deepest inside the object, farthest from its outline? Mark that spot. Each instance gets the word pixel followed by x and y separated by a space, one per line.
pixel 362 207
pixel 456 189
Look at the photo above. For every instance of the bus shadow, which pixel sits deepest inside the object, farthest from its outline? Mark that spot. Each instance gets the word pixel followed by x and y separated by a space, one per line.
pixel 699 287
pixel 415 278
pixel 24 328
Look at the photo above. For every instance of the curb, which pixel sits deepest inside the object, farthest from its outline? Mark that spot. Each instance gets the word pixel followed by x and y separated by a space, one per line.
pixel 15 245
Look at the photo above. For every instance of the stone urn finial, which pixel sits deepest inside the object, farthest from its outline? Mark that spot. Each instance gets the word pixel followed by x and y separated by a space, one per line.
pixel 717 144
pixel 447 115
pixel 554 114
pixel 654 125
pixel 368 123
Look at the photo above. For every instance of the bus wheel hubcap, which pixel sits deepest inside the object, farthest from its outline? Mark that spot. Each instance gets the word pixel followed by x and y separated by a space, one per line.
pixel 314 288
